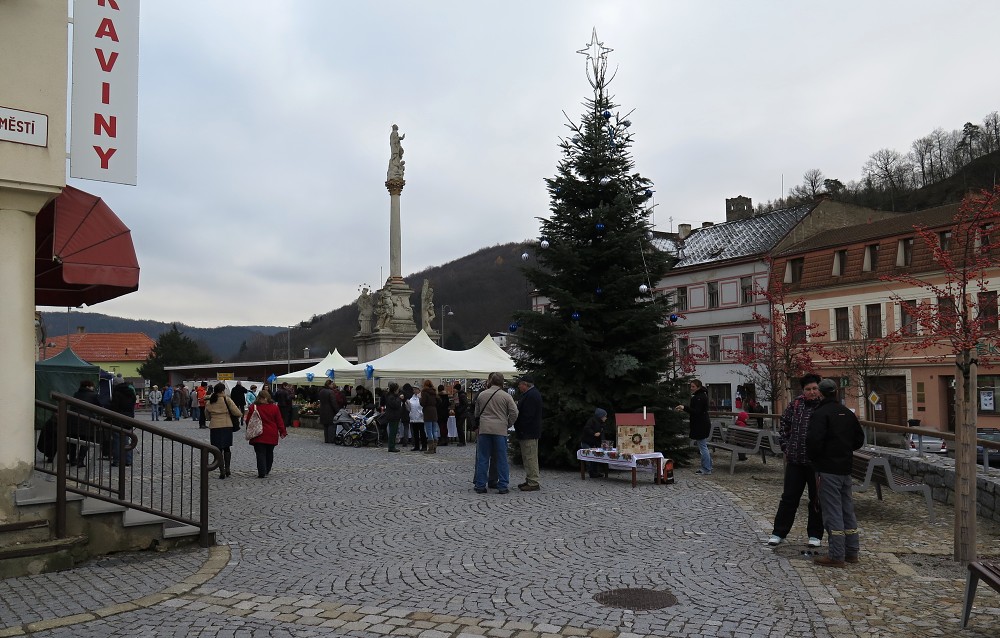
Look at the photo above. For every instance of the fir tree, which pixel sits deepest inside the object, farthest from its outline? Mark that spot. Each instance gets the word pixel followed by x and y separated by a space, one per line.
pixel 171 349
pixel 606 341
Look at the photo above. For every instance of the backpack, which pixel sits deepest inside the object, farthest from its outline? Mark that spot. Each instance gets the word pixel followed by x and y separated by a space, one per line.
pixel 255 425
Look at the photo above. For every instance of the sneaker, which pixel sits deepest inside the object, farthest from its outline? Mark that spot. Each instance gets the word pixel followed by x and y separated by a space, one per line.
pixel 852 559
pixel 529 488
pixel 826 561
pixel 775 540
pixel 814 542
pixel 480 490
pixel 703 472
pixel 503 491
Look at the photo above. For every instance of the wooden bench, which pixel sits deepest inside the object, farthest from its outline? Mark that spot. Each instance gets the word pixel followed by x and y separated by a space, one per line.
pixel 869 471
pixel 989 572
pixel 738 441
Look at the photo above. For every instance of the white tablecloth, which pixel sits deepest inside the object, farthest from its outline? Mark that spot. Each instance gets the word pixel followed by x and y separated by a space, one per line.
pixel 452 428
pixel 619 461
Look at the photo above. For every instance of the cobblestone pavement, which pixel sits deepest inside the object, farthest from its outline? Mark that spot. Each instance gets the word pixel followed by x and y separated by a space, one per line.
pixel 358 542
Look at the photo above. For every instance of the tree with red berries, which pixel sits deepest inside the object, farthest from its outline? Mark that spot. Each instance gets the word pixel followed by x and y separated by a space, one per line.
pixel 960 322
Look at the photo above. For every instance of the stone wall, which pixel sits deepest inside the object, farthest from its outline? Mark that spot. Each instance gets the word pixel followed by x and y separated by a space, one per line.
pixel 939 473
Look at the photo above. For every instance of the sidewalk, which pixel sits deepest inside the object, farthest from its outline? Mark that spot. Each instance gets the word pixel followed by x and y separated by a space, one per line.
pixel 357 542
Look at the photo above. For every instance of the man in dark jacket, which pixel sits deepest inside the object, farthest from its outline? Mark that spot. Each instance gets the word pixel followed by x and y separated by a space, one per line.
pixel 328 407
pixel 283 397
pixel 834 434
pixel 528 427
pixel 591 437
pixel 701 424
pixel 122 402
pixel 393 413
pixel 239 396
pixel 82 427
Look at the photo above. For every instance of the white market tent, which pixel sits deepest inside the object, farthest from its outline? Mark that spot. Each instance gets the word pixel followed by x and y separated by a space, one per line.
pixel 422 358
pixel 343 371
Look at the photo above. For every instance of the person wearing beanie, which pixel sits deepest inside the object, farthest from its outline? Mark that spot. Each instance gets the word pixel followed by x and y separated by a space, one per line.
pixel 592 435
pixel 834 433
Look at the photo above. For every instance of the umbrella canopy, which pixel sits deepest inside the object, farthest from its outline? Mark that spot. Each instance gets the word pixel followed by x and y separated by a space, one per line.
pixel 83 252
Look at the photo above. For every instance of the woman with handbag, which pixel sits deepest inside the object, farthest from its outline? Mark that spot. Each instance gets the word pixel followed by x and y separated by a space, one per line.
pixel 225 418
pixel 272 429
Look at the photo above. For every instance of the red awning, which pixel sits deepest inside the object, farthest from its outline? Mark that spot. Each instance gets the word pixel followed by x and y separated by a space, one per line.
pixel 83 252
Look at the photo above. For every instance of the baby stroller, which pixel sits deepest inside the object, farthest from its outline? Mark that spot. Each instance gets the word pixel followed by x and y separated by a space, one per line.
pixel 334 432
pixel 363 430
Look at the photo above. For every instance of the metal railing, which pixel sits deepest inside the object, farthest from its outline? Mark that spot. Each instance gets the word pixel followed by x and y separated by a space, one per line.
pixel 990 448
pixel 107 456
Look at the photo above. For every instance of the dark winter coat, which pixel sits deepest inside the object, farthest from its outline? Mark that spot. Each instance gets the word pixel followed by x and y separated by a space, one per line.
pixel 834 433
pixel 444 405
pixel 461 406
pixel 701 424
pixel 393 407
pixel 274 425
pixel 123 400
pixel 529 415
pixel 429 402
pixel 239 396
pixel 593 431
pixel 328 407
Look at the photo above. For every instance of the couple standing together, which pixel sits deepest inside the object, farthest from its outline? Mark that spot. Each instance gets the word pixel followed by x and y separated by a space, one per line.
pixel 497 412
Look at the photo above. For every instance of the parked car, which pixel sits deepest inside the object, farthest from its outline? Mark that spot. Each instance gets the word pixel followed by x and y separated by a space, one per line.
pixel 989 435
pixel 927 444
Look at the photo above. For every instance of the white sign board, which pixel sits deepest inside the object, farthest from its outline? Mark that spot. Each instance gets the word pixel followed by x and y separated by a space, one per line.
pixel 24 127
pixel 104 109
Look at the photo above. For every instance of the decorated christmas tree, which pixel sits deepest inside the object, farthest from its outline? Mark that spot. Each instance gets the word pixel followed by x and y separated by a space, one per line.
pixel 605 339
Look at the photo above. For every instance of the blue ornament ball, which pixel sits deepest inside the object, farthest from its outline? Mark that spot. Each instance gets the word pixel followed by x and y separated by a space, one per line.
pixel 674 318
pixel 649 193
pixel 600 227
pixel 627 123
pixel 599 291
pixel 558 189
pixel 607 115
pixel 513 327
pixel 575 316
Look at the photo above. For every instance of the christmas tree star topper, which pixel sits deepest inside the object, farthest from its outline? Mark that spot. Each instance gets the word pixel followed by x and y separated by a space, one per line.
pixel 597 58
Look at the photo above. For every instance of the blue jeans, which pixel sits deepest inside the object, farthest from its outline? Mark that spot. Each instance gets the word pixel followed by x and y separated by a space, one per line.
pixel 706 457
pixel 116 443
pixel 195 412
pixel 433 431
pixel 492 445
pixel 154 410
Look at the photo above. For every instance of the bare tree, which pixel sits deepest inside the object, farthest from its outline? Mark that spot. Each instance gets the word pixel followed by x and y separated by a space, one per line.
pixel 991 132
pixel 922 156
pixel 888 169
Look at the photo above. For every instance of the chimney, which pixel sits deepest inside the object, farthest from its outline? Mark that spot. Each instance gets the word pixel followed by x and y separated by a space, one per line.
pixel 683 230
pixel 707 224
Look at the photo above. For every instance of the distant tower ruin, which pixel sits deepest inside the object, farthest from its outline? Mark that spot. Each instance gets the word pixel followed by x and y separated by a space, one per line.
pixel 738 207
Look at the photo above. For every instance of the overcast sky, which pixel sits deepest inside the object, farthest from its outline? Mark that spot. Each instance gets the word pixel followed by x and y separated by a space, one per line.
pixel 263 126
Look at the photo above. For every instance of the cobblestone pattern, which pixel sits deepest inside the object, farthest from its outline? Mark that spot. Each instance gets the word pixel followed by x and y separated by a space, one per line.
pixel 357 542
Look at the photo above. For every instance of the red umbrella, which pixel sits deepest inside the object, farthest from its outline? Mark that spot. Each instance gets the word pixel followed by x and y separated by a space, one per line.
pixel 83 252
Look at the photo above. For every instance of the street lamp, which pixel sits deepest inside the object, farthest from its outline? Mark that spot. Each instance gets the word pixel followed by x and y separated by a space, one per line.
pixel 445 310
pixel 288 349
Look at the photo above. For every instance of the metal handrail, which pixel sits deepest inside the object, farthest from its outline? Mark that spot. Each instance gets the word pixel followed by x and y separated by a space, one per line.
pixel 152 484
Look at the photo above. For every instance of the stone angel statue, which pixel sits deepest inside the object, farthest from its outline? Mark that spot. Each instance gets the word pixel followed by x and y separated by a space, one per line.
pixel 427 306
pixel 396 163
pixel 365 306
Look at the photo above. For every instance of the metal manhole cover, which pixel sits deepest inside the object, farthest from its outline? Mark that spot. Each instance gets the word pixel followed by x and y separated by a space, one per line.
pixel 636 599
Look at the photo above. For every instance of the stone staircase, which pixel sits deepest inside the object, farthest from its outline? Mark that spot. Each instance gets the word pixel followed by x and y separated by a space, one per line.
pixel 94 527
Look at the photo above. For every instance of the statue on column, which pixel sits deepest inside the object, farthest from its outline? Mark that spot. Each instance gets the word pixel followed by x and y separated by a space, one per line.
pixel 365 306
pixel 396 163
pixel 427 306
pixel 383 311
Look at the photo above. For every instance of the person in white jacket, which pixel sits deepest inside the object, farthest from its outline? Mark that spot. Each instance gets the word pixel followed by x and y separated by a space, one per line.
pixel 417 423
pixel 155 397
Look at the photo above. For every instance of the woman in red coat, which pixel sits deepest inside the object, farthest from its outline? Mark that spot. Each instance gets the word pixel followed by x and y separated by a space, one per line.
pixel 274 428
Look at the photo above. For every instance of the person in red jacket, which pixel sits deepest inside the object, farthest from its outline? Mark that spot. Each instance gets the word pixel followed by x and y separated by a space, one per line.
pixel 274 428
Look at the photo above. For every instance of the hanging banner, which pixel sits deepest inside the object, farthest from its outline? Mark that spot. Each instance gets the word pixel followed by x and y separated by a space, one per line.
pixel 104 108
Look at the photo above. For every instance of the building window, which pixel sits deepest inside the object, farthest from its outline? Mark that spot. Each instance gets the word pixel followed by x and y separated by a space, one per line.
pixel 839 263
pixel 682 299
pixel 795 323
pixel 793 270
pixel 682 346
pixel 947 314
pixel 983 238
pixel 944 240
pixel 714 349
pixel 987 303
pixel 990 386
pixel 843 324
pixel 713 294
pixel 871 258
pixel 749 343
pixel 907 320
pixel 904 252
pixel 746 289
pixel 873 320
pixel 720 397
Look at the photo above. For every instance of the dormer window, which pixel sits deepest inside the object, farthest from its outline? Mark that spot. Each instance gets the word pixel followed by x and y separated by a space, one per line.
pixel 871 258
pixel 904 252
pixel 944 240
pixel 793 270
pixel 839 263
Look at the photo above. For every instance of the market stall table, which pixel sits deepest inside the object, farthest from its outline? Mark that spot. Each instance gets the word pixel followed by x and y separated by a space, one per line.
pixel 624 461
